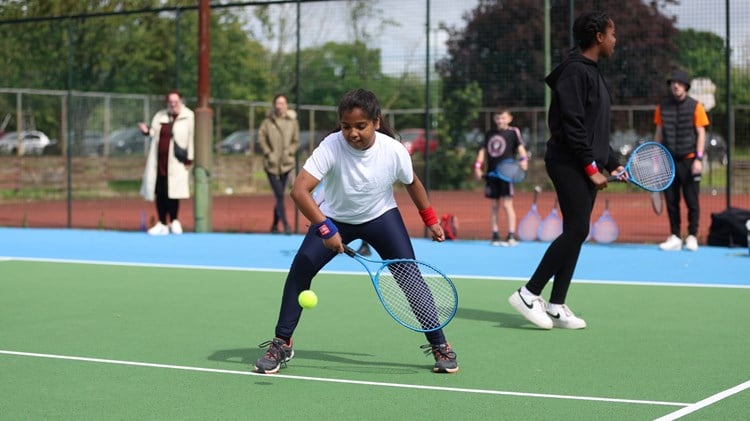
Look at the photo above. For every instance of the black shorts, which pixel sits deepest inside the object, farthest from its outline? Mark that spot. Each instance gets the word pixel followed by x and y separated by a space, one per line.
pixel 496 188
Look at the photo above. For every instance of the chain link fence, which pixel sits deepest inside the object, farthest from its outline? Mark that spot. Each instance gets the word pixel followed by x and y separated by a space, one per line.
pixel 417 56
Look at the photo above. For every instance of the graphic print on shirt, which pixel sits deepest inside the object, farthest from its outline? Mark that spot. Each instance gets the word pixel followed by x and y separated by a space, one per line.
pixel 496 145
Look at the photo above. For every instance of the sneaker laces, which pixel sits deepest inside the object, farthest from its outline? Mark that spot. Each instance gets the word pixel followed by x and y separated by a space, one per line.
pixel 440 352
pixel 276 351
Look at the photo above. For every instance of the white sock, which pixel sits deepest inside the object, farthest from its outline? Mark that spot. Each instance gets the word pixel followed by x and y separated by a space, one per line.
pixel 553 308
pixel 527 295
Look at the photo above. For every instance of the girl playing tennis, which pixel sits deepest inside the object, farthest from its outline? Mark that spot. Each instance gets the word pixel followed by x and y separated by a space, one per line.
pixel 359 165
pixel 577 149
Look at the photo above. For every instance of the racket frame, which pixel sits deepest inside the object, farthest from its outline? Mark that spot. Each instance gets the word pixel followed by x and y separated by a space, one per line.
pixel 375 279
pixel 495 173
pixel 631 160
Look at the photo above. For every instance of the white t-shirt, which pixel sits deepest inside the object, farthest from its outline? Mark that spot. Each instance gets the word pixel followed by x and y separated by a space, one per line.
pixel 358 185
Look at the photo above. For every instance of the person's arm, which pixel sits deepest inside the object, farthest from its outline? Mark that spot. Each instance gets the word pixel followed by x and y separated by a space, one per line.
pixel 419 196
pixel 295 137
pixel 478 164
pixel 700 145
pixel 324 228
pixel 523 157
pixel 263 140
pixel 658 135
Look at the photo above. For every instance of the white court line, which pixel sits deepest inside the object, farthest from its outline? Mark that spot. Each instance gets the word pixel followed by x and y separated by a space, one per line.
pixel 705 402
pixel 333 272
pixel 343 381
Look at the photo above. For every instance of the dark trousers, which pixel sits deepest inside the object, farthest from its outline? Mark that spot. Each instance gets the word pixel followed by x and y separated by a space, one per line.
pixel 576 196
pixel 685 183
pixel 278 185
pixel 165 207
pixel 386 234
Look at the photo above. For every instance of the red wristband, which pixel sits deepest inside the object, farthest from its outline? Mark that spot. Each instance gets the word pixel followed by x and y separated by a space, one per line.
pixel 428 216
pixel 591 169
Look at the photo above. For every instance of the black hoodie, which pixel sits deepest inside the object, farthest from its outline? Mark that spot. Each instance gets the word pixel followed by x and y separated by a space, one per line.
pixel 579 115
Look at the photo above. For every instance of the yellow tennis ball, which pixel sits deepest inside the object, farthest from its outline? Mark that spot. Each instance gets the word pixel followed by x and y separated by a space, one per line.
pixel 307 299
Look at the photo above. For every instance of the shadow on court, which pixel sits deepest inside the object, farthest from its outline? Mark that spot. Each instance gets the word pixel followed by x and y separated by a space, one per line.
pixel 503 320
pixel 346 361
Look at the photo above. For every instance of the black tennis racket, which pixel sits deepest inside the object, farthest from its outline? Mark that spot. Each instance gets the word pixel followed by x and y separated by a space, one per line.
pixel 650 167
pixel 508 170
pixel 416 294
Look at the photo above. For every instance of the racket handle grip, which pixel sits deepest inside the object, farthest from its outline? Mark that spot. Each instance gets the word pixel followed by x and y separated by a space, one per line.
pixel 349 251
pixel 612 178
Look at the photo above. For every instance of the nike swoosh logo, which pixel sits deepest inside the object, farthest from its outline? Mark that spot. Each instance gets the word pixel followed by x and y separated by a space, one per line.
pixel 555 316
pixel 529 306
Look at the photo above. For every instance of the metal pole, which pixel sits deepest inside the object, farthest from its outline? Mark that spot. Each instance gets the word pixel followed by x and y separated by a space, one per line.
pixel 547 59
pixel 178 41
pixel 730 140
pixel 297 103
pixel 427 100
pixel 69 137
pixel 571 19
pixel 203 124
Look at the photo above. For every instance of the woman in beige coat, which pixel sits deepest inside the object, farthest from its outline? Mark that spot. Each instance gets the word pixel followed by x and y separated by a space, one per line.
pixel 166 179
pixel 278 137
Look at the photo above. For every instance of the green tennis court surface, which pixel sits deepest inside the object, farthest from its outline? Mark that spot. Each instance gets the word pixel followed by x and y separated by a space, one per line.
pixel 98 341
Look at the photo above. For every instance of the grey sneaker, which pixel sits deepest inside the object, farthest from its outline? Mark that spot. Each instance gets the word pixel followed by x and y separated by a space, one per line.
pixel 278 353
pixel 445 358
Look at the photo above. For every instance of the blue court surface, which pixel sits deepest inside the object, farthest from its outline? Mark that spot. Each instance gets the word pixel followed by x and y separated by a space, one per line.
pixel 709 266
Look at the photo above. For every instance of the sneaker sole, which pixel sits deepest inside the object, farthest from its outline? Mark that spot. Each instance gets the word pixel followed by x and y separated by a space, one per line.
pixel 272 371
pixel 518 304
pixel 445 371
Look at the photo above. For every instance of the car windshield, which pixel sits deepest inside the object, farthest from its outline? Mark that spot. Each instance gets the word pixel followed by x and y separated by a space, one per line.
pixel 237 137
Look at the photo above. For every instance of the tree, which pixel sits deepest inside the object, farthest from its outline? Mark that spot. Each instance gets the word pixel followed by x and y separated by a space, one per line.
pixel 502 48
pixel 133 53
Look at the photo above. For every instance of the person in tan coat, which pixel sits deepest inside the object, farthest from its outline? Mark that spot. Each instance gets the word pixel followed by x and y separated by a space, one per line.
pixel 166 179
pixel 278 138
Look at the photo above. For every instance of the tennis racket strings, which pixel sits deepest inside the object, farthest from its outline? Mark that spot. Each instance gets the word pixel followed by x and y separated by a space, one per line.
pixel 651 167
pixel 416 294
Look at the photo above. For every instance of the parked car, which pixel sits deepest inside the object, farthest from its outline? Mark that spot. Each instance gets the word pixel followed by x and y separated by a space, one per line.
pixel 33 142
pixel 237 142
pixel 306 135
pixel 414 140
pixel 126 142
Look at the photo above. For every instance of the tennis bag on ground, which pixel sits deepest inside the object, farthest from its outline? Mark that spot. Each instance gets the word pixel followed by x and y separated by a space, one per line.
pixel 449 222
pixel 728 228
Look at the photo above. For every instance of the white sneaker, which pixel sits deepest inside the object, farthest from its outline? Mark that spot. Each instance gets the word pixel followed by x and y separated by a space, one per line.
pixel 533 311
pixel 176 227
pixel 673 243
pixel 158 229
pixel 563 318
pixel 691 243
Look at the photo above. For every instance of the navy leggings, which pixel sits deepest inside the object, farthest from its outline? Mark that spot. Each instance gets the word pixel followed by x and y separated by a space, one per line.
pixel 576 195
pixel 386 234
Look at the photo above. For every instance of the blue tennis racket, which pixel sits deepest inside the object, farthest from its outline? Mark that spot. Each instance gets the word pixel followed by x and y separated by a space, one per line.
pixel 508 170
pixel 650 167
pixel 416 294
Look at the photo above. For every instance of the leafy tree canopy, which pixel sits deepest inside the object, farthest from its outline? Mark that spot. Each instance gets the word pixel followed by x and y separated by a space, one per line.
pixel 502 48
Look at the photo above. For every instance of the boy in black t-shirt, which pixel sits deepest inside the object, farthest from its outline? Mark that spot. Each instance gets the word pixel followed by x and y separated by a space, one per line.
pixel 500 143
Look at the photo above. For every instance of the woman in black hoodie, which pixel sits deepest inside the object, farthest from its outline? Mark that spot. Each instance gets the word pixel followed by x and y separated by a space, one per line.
pixel 579 118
